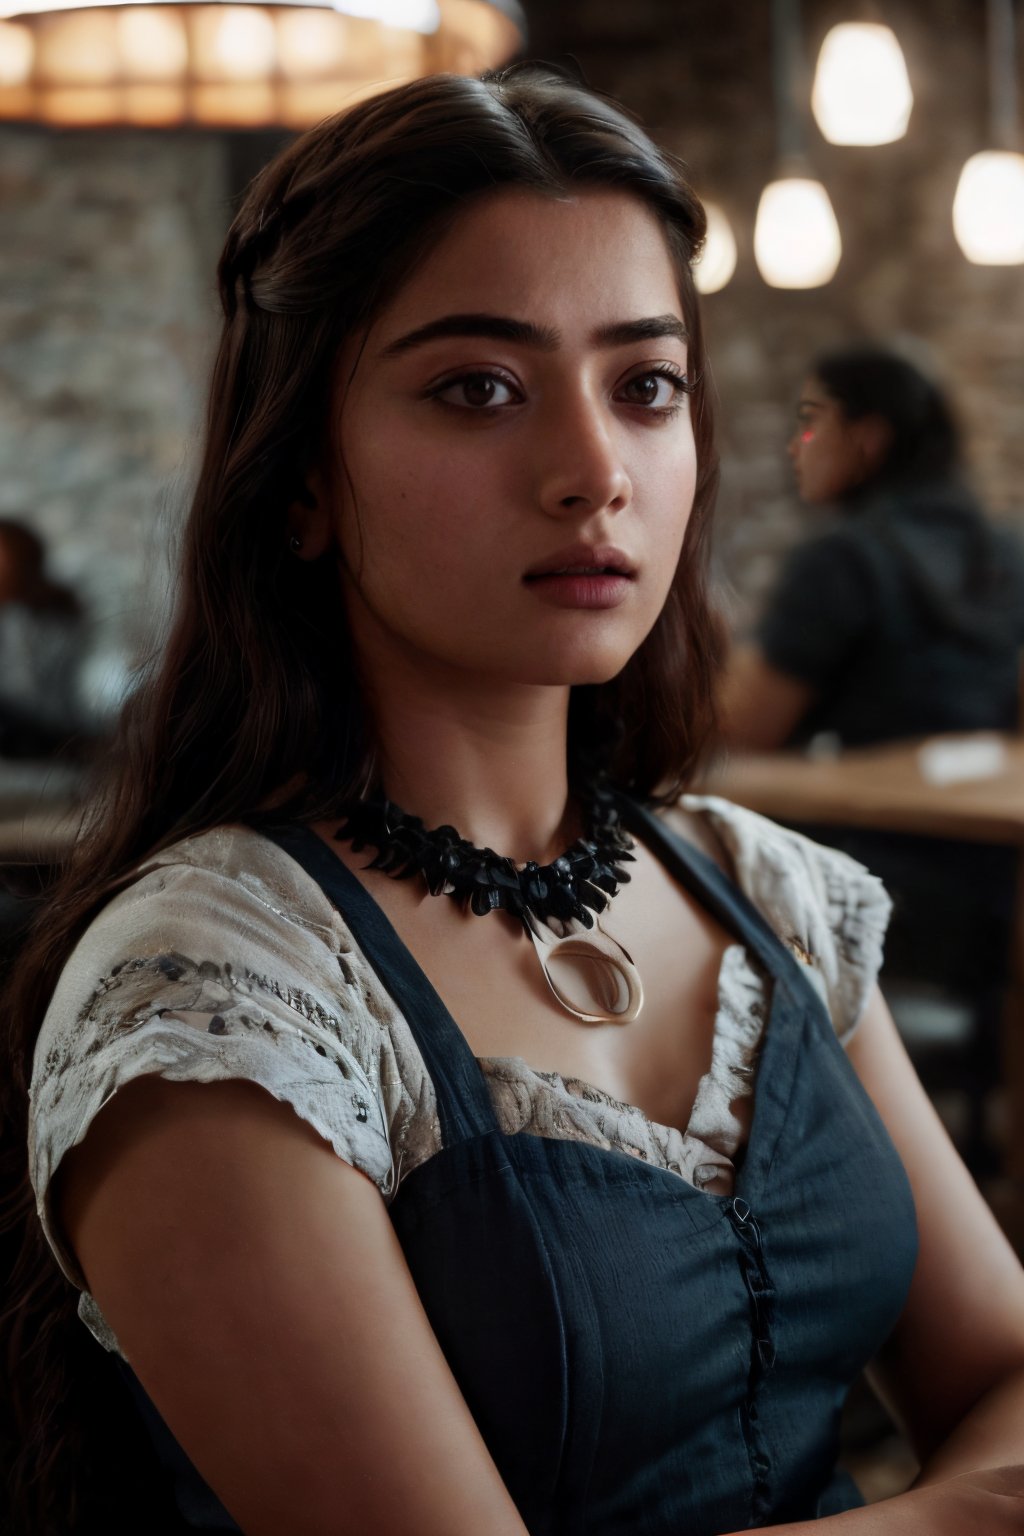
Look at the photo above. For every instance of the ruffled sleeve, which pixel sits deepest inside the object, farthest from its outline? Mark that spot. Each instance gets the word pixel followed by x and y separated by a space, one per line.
pixel 828 909
pixel 221 961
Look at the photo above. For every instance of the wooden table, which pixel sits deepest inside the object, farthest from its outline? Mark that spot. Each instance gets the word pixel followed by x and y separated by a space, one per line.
pixel 883 788
pixel 879 787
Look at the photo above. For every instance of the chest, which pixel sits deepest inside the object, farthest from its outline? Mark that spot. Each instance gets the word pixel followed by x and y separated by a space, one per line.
pixel 488 975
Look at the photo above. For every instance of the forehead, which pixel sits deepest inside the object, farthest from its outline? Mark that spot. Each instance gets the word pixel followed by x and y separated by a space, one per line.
pixel 814 393
pixel 597 255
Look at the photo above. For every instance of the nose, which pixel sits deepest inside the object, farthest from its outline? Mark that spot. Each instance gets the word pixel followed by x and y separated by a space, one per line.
pixel 583 471
pixel 793 446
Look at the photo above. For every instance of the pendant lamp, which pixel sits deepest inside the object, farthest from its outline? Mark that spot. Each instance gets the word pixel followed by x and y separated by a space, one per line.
pixel 861 92
pixel 988 209
pixel 796 237
pixel 77 63
pixel 717 261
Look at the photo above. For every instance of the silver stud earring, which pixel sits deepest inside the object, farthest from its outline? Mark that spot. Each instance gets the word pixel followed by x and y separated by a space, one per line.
pixel 294 543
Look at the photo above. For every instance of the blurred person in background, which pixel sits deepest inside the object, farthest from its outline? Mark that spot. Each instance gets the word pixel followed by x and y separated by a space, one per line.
pixel 41 644
pixel 906 614
pixel 903 617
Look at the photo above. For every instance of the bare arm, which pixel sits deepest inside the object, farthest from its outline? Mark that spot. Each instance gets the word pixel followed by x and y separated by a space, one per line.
pixel 760 706
pixel 255 1283
pixel 953 1370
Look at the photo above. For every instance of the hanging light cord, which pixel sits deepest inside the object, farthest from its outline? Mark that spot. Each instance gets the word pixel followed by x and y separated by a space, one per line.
pixel 1002 74
pixel 787 71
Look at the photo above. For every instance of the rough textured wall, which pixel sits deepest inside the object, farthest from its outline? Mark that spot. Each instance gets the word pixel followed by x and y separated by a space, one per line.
pixel 106 312
pixel 699 74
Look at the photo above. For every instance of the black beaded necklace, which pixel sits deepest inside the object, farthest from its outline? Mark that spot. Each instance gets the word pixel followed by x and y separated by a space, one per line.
pixel 553 901
pixel 586 875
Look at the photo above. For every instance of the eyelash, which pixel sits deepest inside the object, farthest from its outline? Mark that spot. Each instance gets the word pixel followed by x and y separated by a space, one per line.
pixel 679 381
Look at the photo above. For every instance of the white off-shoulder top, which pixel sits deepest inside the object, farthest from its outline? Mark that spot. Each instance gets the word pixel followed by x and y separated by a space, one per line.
pixel 224 959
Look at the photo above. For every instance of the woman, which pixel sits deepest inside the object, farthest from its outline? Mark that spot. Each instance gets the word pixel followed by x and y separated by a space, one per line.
pixel 906 616
pixel 373 1270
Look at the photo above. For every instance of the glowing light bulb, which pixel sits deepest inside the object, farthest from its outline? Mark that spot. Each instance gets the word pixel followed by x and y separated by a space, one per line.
pixel 151 43
pixel 16 52
pixel 796 237
pixel 78 49
pixel 988 209
pixel 311 43
pixel 233 42
pixel 861 91
pixel 717 261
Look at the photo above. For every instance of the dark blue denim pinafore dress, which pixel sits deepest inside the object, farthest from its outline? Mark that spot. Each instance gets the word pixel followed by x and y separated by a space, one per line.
pixel 643 1358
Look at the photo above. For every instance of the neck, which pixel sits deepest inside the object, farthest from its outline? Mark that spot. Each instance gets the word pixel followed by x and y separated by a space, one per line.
pixel 487 758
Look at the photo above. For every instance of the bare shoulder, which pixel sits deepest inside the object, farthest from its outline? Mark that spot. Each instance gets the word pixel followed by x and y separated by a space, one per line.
pixel 698 829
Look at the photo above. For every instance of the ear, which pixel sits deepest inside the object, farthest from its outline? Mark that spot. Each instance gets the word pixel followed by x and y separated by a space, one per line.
pixel 309 518
pixel 874 440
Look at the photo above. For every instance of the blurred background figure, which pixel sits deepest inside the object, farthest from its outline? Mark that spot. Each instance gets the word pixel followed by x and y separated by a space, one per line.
pixel 43 633
pixel 903 617
pixel 42 630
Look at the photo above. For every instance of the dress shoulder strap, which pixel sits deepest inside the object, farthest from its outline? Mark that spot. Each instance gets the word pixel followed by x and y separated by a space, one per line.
pixel 463 1101
pixel 713 888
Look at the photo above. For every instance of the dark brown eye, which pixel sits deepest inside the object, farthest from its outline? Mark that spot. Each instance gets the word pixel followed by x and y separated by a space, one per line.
pixel 645 389
pixel 478 390
pixel 659 391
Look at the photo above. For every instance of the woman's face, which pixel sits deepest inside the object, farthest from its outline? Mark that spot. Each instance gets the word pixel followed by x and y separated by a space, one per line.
pixel 514 463
pixel 828 451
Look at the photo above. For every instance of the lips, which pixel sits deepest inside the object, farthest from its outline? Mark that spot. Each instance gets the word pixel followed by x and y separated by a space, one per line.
pixel 583 560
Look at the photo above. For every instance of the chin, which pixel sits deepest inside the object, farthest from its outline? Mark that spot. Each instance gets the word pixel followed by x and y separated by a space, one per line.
pixel 580 671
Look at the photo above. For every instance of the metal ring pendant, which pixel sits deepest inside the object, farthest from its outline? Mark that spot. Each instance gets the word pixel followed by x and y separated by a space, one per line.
pixel 615 991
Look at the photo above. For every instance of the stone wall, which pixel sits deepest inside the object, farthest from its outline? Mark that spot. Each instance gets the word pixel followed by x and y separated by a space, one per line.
pixel 107 308
pixel 109 241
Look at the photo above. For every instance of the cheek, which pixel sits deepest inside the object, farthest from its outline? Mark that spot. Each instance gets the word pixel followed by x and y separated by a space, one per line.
pixel 412 537
pixel 676 487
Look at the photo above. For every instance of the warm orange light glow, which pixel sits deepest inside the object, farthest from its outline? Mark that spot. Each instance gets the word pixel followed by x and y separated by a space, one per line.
pixel 231 64
pixel 311 43
pixel 154 106
pixel 247 105
pixel 78 49
pixel 17 49
pixel 96 106
pixel 299 102
pixel 232 42
pixel 151 42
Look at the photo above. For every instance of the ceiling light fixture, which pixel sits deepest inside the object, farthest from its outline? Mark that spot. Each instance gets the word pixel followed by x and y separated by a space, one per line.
pixel 988 209
pixel 861 92
pixel 73 63
pixel 717 261
pixel 796 237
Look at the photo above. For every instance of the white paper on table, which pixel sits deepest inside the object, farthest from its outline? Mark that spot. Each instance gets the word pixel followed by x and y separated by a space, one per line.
pixel 958 759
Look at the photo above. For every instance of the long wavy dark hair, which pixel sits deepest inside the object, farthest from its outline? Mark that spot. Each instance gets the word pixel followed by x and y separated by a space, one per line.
pixel 254 697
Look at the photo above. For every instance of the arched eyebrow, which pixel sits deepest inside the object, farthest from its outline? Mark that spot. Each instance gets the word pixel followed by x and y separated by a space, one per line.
pixel 541 338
